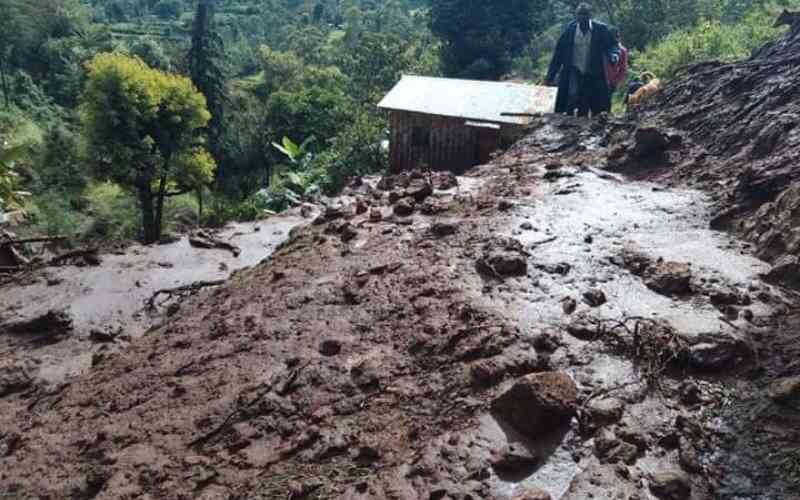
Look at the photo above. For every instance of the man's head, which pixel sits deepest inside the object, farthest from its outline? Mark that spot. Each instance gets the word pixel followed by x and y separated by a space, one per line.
pixel 583 14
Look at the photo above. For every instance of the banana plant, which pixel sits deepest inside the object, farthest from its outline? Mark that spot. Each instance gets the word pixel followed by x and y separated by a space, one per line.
pixel 294 152
pixel 10 198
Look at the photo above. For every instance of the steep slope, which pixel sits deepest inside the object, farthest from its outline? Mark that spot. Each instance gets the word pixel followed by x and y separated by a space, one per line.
pixel 741 125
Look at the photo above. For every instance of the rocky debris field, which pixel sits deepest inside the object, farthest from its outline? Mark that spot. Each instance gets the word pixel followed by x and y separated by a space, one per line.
pixel 541 328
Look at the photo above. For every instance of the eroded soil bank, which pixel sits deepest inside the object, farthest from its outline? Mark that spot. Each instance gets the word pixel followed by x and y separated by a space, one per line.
pixel 543 328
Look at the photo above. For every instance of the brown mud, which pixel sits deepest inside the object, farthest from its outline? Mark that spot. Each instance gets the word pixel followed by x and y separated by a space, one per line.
pixel 543 329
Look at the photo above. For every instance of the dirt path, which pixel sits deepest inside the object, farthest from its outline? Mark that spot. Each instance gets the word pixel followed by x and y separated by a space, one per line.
pixel 369 358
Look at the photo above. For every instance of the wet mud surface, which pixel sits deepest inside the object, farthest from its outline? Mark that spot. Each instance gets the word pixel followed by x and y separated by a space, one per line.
pixel 543 328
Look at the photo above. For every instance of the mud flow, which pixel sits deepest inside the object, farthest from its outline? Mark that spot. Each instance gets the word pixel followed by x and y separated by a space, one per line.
pixel 607 310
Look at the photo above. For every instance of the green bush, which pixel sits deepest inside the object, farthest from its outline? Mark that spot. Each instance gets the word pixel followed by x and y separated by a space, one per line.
pixel 113 211
pixel 168 9
pixel 709 40
pixel 52 214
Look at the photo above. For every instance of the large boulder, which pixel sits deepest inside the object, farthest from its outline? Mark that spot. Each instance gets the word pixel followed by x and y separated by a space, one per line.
pixel 786 391
pixel 537 403
pixel 669 278
pixel 785 271
pixel 670 486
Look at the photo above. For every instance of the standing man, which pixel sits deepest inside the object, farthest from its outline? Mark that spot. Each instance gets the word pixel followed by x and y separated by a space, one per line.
pixel 579 58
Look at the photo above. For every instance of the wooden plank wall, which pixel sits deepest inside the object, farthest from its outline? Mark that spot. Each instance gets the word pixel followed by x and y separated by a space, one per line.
pixel 448 145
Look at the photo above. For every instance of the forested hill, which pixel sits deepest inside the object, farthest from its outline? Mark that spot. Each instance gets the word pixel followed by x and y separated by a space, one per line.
pixel 278 96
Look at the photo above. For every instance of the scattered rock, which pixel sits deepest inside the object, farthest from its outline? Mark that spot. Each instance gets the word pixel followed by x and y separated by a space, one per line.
pixel 670 486
pixel 715 355
pixel 503 263
pixel 688 456
pixel 605 411
pixel 330 347
pixel 404 208
pixel 347 232
pixel 513 458
pixel 447 180
pixel 690 393
pixel 331 213
pixel 785 391
pixel 361 206
pixel 595 297
pixel 375 214
pixel 533 494
pixel 569 305
pixel 504 205
pixel 537 403
pixel 419 189
pixel 13 379
pixel 101 337
pixel 50 324
pixel 526 226
pixel 669 278
pixel 785 271
pixel 649 141
pixel 442 229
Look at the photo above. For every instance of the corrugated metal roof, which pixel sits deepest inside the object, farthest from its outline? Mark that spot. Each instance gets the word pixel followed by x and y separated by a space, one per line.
pixel 470 99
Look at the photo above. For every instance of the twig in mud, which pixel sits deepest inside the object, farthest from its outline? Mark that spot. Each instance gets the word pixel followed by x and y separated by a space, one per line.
pixel 284 390
pixel 40 239
pixel 181 290
pixel 86 252
pixel 537 244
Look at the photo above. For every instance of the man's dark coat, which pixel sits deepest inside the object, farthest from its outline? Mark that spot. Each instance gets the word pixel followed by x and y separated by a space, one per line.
pixel 603 47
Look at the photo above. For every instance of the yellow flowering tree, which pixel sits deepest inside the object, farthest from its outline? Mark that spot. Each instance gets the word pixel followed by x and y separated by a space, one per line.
pixel 144 130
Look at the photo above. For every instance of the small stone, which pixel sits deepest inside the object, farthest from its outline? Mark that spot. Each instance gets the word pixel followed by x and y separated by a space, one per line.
pixel 404 208
pixel 419 189
pixel 785 390
pixel 375 214
pixel 347 232
pixel 100 337
pixel 513 458
pixel 569 305
pixel 716 355
pixel 690 393
pixel 687 456
pixel 589 239
pixel 595 297
pixel 361 206
pixel 526 226
pixel 748 315
pixel 670 486
pixel 533 494
pixel 504 205
pixel 503 263
pixel 669 278
pixel 605 411
pixel 442 229
pixel 330 347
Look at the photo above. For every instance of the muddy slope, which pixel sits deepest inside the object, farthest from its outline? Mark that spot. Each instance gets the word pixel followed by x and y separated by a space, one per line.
pixel 740 125
pixel 369 358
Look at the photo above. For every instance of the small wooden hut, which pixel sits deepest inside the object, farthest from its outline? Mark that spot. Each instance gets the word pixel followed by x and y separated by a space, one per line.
pixel 448 124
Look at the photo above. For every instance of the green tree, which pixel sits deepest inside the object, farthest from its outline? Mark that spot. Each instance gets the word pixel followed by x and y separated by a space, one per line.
pixel 480 38
pixel 206 69
pixel 143 128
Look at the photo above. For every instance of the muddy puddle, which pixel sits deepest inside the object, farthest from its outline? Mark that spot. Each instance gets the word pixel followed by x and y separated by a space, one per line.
pixel 111 298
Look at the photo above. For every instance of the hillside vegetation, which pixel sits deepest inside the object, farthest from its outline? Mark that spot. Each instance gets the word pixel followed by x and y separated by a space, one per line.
pixel 274 75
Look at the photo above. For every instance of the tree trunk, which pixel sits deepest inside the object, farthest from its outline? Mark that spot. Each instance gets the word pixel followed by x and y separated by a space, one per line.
pixel 148 220
pixel 4 79
pixel 200 206
pixel 162 189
